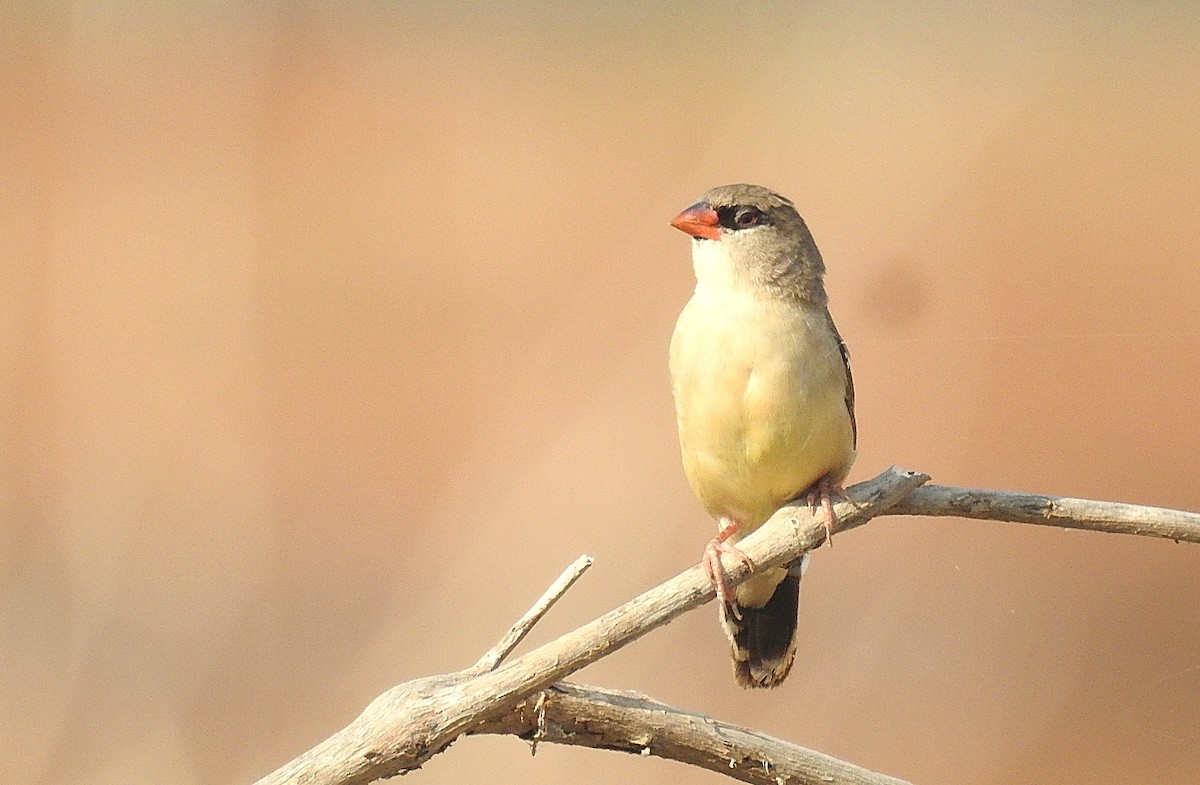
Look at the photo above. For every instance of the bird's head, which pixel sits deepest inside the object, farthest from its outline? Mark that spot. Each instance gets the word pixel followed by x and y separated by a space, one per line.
pixel 760 235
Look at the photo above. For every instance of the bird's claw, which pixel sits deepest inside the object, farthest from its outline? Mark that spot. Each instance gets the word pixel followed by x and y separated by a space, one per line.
pixel 719 576
pixel 823 492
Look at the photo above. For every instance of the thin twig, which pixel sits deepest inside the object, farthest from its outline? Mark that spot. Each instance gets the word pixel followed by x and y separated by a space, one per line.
pixel 584 716
pixel 518 631
pixel 1058 511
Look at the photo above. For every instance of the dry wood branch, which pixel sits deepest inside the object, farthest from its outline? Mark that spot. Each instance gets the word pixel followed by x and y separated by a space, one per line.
pixel 412 722
pixel 1058 511
pixel 518 631
pixel 613 720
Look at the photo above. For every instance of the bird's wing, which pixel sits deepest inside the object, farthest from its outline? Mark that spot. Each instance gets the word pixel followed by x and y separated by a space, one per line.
pixel 849 377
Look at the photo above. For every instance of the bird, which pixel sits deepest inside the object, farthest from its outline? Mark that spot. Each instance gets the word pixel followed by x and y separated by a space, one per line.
pixel 764 403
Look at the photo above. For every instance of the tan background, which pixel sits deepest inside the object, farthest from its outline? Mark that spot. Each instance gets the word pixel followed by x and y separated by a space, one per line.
pixel 327 338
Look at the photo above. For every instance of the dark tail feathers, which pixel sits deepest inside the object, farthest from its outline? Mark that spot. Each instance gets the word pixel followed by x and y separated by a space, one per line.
pixel 764 639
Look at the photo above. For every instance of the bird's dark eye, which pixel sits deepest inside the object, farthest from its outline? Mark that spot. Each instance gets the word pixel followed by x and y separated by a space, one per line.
pixel 747 217
pixel 741 217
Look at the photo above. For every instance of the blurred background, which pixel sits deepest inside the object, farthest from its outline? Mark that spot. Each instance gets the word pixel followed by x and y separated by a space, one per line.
pixel 330 335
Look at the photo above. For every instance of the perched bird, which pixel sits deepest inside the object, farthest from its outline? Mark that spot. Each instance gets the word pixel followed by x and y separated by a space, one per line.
pixel 764 402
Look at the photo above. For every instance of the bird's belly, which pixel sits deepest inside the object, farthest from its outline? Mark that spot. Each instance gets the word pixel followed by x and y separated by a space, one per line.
pixel 760 400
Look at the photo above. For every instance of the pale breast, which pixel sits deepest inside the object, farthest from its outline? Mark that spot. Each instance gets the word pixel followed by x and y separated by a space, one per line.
pixel 760 401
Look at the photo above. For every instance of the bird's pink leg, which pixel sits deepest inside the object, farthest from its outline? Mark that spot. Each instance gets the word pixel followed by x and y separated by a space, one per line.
pixel 717 573
pixel 824 491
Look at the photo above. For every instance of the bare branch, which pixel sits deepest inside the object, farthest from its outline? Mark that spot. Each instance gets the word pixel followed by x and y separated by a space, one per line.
pixel 516 633
pixel 412 722
pixel 614 720
pixel 1058 511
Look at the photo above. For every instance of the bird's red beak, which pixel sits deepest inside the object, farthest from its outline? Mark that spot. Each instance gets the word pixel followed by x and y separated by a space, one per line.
pixel 699 220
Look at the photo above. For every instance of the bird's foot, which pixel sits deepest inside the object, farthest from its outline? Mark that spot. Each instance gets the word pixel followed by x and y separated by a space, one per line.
pixel 823 492
pixel 711 561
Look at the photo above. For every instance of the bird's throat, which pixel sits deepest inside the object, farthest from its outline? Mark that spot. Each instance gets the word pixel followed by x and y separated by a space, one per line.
pixel 716 271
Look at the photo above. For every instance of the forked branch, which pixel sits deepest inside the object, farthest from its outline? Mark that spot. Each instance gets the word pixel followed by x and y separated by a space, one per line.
pixel 410 723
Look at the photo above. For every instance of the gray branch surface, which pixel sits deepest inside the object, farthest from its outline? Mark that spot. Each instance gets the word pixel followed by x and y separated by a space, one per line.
pixel 410 723
pixel 1060 511
pixel 568 713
